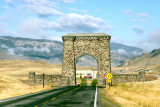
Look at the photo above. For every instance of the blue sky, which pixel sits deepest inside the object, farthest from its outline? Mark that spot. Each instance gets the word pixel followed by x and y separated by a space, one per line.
pixel 130 22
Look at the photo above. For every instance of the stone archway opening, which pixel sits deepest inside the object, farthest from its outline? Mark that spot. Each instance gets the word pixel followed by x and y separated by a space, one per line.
pixel 86 67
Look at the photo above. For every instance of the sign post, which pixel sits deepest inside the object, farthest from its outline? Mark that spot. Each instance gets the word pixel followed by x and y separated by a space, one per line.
pixel 109 76
pixel 105 80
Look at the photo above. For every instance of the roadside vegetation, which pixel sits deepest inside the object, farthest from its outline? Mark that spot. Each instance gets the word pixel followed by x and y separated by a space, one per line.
pixel 135 94
pixel 94 82
pixel 83 82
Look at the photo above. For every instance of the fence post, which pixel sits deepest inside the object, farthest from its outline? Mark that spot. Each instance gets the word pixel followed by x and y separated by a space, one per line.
pixel 43 79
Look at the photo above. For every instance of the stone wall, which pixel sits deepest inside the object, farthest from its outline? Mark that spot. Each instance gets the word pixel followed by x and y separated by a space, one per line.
pixel 59 79
pixel 38 79
pixel 124 78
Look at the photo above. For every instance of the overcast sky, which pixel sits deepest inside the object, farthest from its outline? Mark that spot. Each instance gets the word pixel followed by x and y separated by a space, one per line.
pixel 130 22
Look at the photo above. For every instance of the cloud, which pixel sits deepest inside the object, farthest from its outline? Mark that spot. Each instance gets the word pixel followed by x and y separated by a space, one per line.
pixel 11 51
pixel 133 20
pixel 43 49
pixel 66 1
pixel 138 30
pixel 47 3
pixel 96 10
pixel 73 9
pixel 146 46
pixel 154 36
pixel 136 53
pixel 109 27
pixel 44 11
pixel 32 26
pixel 122 52
pixel 43 8
pixel 138 20
pixel 4 31
pixel 42 27
pixel 11 2
pixel 4 46
pixel 84 11
pixel 143 20
pixel 151 41
pixel 77 10
pixel 38 28
pixel 113 51
pixel 19 50
pixel 144 15
pixel 80 23
pixel 128 12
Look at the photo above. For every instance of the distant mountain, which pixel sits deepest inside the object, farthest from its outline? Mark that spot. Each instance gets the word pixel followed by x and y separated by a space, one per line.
pixel 4 55
pixel 145 60
pixel 121 53
pixel 33 49
pixel 51 51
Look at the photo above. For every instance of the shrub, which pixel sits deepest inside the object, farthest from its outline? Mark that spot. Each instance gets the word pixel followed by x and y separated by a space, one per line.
pixel 94 82
pixel 83 82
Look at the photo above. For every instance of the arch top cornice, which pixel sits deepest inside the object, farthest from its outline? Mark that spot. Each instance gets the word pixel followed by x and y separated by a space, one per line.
pixel 73 36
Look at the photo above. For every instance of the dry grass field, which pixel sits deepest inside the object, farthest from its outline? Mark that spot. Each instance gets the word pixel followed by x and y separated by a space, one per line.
pixel 135 94
pixel 14 82
pixel 14 76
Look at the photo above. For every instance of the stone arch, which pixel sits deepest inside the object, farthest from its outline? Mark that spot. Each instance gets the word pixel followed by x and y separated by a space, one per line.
pixel 83 54
pixel 76 45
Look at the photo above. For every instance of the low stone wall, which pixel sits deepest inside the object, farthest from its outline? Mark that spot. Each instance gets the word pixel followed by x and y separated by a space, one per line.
pixel 124 78
pixel 38 79
pixel 61 80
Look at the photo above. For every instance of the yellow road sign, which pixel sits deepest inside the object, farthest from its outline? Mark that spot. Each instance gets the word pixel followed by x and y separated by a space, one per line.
pixel 109 80
pixel 109 75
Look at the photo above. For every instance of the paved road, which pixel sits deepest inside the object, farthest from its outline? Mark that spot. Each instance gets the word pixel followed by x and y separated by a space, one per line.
pixel 78 97
pixel 35 98
pixel 63 97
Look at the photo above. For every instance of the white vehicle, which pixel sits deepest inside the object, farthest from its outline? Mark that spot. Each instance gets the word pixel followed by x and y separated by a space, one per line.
pixel 78 83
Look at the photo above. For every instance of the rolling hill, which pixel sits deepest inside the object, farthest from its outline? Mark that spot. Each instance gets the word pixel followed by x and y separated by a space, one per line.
pixel 51 51
pixel 150 60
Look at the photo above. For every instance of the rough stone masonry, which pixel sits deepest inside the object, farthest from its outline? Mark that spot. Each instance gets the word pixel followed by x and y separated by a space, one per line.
pixel 76 45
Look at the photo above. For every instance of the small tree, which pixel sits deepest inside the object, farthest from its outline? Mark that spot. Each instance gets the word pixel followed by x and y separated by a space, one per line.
pixel 83 82
pixel 94 82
